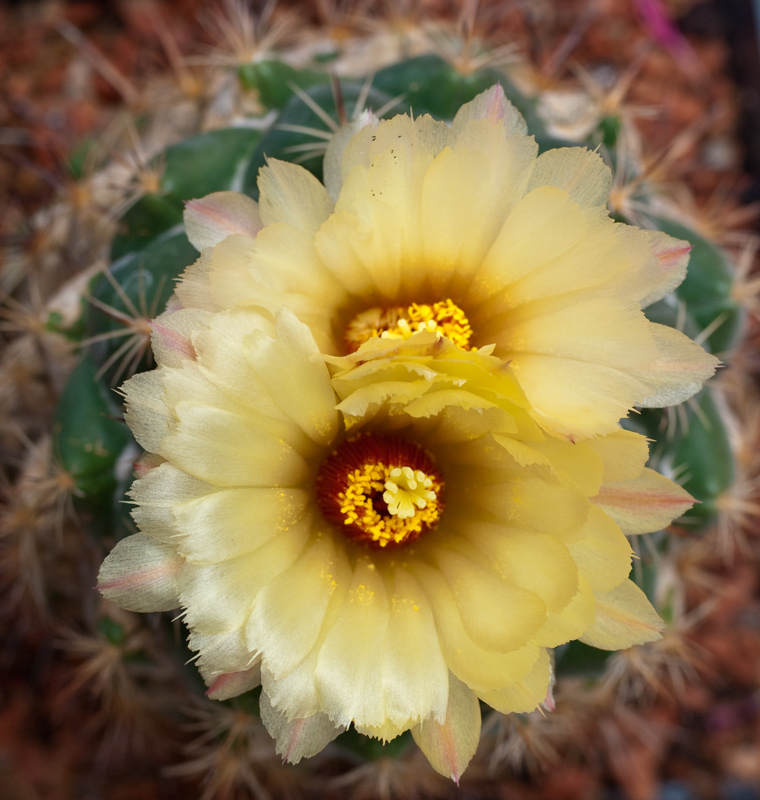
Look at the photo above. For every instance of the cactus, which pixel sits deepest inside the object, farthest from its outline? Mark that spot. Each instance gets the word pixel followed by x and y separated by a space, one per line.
pixel 92 331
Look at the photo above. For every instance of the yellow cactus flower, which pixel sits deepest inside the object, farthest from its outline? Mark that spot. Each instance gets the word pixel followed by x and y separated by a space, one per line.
pixel 384 547
pixel 465 230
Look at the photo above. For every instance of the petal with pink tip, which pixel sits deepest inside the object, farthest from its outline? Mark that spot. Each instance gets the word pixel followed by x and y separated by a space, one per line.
pixel 449 746
pixel 140 574
pixel 231 684
pixel 645 504
pixel 216 216
pixel 297 738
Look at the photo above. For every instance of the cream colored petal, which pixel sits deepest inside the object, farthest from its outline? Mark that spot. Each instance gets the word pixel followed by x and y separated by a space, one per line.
pixel 222 653
pixel 289 612
pixel 497 615
pixel 491 105
pixel 232 684
pixel 364 124
pixel 297 379
pixel 140 574
pixel 525 695
pixel 593 262
pixel 280 267
pixel 603 555
pixel 171 335
pixel 623 454
pixel 580 172
pixel 219 597
pixel 232 522
pixel 157 492
pixel 349 669
pixel 645 504
pixel 679 371
pixel 297 738
pixel 146 413
pixel 230 450
pixel 212 218
pixel 275 374
pixel 624 617
pixel 291 194
pixel 386 732
pixel 660 264
pixel 193 290
pixel 450 745
pixel 417 139
pixel 415 676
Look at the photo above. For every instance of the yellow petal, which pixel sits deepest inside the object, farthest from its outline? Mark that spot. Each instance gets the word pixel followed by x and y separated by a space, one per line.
pixel 624 617
pixel 479 668
pixel 227 449
pixel 623 454
pixel 603 554
pixel 222 653
pixel 580 172
pixel 450 745
pixel 529 560
pixel 571 621
pixel 466 195
pixel 524 695
pixel 171 335
pixel 499 616
pixel 291 194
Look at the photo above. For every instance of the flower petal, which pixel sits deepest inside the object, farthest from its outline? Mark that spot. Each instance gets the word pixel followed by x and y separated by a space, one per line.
pixel 580 172
pixel 231 684
pixel 291 194
pixel 603 554
pixel 212 218
pixel 624 617
pixel 450 745
pixel 679 371
pixel 647 503
pixel 524 695
pixel 297 738
pixel 140 574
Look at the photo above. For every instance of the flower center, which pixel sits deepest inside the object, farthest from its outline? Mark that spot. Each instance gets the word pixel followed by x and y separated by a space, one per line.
pixel 380 490
pixel 400 322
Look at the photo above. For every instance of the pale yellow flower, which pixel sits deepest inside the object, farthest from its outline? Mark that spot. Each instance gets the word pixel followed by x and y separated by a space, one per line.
pixel 383 548
pixel 462 229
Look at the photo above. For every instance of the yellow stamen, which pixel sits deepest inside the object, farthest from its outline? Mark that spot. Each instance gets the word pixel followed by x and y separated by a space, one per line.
pixel 383 491
pixel 400 322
